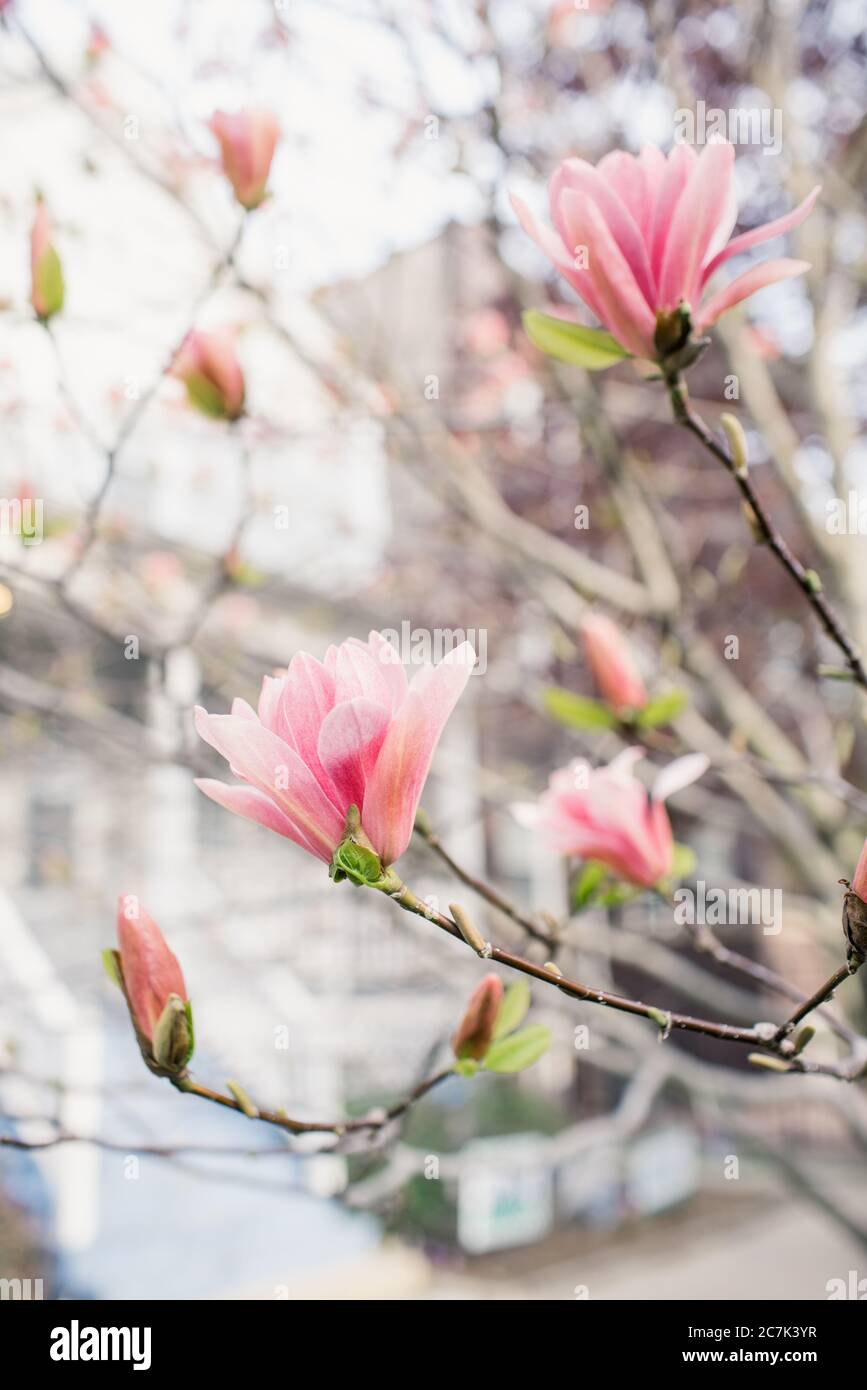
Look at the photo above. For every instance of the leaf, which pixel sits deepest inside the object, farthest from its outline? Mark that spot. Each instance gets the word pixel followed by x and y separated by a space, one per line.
pixel 663 709
pixel 111 961
pixel 588 881
pixel 518 1051
pixel 592 348
pixel 49 283
pixel 513 1008
pixel 576 711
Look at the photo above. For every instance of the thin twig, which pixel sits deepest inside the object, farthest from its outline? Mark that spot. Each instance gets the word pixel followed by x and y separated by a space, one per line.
pixel 807 580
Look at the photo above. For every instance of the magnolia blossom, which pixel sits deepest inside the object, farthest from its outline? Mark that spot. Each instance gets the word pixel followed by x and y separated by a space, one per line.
pixel 209 368
pixel 638 237
pixel 247 143
pixel 346 731
pixel 859 882
pixel 476 1031
pixel 611 662
pixel 46 276
pixel 606 814
pixel 151 973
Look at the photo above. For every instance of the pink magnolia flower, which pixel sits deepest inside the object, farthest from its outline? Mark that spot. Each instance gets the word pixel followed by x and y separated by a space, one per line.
pixel 346 731
pixel 247 143
pixel 476 1031
pixel 611 662
pixel 606 814
pixel 210 370
pixel 46 276
pixel 150 971
pixel 859 882
pixel 637 237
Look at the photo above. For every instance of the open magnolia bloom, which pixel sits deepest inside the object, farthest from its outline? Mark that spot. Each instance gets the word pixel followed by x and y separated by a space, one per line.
pixel 639 238
pixel 347 731
pixel 606 814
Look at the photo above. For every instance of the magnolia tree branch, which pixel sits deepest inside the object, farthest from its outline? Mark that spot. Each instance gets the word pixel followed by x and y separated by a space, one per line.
pixel 807 580
pixel 702 938
pixel 368 1126
pixel 772 1040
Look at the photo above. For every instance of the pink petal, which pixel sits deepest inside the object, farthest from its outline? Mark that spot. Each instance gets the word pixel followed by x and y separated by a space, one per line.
pixel 265 760
pixel 254 805
pixel 549 242
pixel 358 673
pixel 699 211
pixel 679 774
pixel 388 658
pixel 778 227
pixel 581 178
pixel 349 741
pixel 305 696
pixel 681 161
pixel 768 273
pixel 623 309
pixel 394 789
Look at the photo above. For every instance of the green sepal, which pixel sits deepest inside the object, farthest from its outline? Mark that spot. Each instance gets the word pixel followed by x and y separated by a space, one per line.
pixel 49 283
pixel 465 1066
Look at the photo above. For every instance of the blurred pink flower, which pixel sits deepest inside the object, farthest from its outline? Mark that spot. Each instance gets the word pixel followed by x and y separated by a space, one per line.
pixel 859 882
pixel 612 664
pixel 636 237
pixel 606 814
pixel 150 971
pixel 247 143
pixel 476 1030
pixel 46 276
pixel 350 730
pixel 210 370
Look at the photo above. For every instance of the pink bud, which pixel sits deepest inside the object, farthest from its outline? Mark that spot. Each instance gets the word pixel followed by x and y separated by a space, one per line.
pixel 475 1034
pixel 611 662
pixel 211 372
pixel 46 276
pixel 247 143
pixel 150 971
pixel 859 882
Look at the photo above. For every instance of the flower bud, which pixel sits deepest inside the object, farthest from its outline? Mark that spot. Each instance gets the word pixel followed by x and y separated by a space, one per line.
pixel 151 978
pixel 612 664
pixel 46 273
pixel 476 1031
pixel 209 368
pixel 247 142
pixel 855 912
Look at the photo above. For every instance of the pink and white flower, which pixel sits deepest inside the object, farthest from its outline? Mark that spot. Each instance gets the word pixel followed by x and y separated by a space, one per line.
pixel 606 814
pixel 247 143
pixel 640 236
pixel 347 731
